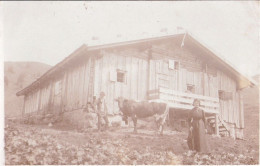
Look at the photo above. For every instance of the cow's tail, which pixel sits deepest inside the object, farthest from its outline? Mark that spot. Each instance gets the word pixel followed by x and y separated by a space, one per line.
pixel 165 114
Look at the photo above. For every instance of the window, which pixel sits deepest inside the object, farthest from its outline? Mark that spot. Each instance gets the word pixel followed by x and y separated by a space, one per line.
pixel 225 95
pixel 121 76
pixel 190 88
pixel 174 65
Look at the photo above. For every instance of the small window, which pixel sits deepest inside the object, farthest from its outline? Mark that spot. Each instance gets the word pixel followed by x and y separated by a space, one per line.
pixel 225 95
pixel 174 64
pixel 121 76
pixel 190 88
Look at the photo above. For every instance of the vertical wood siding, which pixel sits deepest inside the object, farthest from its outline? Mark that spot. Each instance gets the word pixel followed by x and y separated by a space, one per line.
pixel 78 86
pixel 230 110
pixel 207 81
pixel 135 69
pixel 74 92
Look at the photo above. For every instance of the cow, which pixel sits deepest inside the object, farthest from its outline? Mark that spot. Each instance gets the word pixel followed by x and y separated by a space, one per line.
pixel 143 109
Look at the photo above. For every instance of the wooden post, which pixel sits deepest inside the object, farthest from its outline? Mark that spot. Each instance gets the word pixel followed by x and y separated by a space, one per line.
pixel 216 125
pixel 39 101
pixel 65 95
pixel 23 111
pixel 50 100
pixel 241 110
pixel 148 73
pixel 91 87
pixel 203 83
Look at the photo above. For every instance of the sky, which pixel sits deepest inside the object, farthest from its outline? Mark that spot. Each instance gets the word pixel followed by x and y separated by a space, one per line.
pixel 49 31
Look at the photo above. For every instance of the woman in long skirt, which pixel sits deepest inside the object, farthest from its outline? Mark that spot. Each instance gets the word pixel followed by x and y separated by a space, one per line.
pixel 197 129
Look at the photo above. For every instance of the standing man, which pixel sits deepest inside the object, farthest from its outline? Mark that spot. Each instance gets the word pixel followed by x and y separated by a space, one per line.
pixel 102 110
pixel 94 104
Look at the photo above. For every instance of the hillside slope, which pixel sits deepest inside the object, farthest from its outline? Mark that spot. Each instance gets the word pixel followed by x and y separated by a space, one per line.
pixel 251 112
pixel 17 76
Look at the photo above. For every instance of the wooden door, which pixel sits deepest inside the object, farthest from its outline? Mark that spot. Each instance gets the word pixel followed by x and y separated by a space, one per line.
pixel 160 76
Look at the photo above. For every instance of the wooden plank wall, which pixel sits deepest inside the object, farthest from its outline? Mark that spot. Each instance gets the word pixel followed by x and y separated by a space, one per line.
pixel 135 69
pixel 194 70
pixel 74 91
pixel 241 110
pixel 28 103
pixel 77 89
pixel 44 98
pixel 191 70
pixel 230 110
pixel 31 102
pixel 37 100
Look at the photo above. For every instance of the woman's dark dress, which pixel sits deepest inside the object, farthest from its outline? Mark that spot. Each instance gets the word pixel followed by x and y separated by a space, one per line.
pixel 197 137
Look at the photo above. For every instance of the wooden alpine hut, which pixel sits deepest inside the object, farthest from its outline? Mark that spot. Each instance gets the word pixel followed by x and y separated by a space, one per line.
pixel 175 69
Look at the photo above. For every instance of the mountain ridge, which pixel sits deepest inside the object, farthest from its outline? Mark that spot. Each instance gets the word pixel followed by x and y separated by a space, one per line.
pixel 18 75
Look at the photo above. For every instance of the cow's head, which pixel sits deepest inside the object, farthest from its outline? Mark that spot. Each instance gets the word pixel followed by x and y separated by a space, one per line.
pixel 122 107
pixel 120 101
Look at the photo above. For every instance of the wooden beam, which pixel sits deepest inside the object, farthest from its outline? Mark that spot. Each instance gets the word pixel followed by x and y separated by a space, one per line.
pixel 224 124
pixel 40 99
pixel 170 91
pixel 181 100
pixel 50 103
pixel 216 125
pixel 23 111
pixel 241 110
pixel 148 73
pixel 151 92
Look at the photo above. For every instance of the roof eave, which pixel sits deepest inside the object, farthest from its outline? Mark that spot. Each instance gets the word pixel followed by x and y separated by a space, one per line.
pixel 94 48
pixel 231 68
pixel 53 69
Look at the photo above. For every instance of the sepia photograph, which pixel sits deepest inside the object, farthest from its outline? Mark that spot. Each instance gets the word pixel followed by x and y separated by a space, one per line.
pixel 130 82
